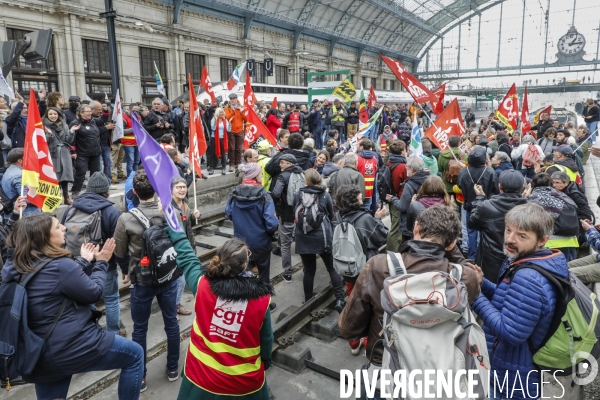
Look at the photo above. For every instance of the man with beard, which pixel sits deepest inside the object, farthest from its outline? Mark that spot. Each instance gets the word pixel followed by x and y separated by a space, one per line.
pixel 517 312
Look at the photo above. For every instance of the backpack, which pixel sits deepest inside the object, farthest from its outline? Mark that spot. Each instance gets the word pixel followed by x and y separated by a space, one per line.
pixel 531 156
pixel 294 122
pixel 82 228
pixel 308 214
pixel 159 249
pixel 384 181
pixel 574 330
pixel 454 167
pixel 426 312
pixel 6 202
pixel 567 222
pixel 20 348
pixel 295 183
pixel 348 256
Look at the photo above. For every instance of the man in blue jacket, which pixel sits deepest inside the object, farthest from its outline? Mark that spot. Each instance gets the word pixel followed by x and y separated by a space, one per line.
pixel 518 310
pixel 96 198
pixel 252 211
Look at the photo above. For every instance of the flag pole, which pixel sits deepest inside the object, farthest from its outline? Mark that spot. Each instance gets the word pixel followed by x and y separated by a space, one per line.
pixel 21 208
pixel 195 195
pixel 435 126
pixel 589 137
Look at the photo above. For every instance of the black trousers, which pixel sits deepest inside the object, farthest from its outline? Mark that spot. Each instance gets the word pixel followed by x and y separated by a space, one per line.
pixel 261 259
pixel 309 262
pixel 82 165
pixel 212 154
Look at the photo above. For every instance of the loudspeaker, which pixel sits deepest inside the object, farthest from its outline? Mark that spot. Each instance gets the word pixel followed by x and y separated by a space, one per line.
pixel 40 44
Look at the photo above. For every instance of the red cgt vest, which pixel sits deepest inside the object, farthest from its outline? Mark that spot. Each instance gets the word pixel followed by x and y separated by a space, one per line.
pixel 368 168
pixel 224 353
pixel 294 122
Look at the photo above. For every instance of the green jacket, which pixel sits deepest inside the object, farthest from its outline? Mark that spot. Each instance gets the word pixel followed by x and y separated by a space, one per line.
pixel 444 160
pixel 431 164
pixel 192 271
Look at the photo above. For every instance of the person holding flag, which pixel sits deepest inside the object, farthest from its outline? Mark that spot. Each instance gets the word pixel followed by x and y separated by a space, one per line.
pixel 59 139
pixel 541 122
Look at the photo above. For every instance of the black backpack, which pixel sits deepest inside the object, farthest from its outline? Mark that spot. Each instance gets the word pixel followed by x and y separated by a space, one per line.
pixel 567 223
pixel 159 249
pixel 20 348
pixel 6 203
pixel 384 181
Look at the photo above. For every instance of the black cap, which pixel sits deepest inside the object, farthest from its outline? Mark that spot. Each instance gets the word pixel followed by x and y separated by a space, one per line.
pixel 512 181
pixel 233 96
pixel 75 98
pixel 315 101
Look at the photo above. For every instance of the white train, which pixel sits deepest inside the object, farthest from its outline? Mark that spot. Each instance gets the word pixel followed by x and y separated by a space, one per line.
pixel 299 95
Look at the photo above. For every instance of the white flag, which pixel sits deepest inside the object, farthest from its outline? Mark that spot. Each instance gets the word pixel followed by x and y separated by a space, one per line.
pixel 117 117
pixel 5 88
pixel 416 148
pixel 88 98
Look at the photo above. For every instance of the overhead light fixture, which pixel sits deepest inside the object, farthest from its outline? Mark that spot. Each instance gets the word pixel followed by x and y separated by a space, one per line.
pixel 139 23
pixel 144 25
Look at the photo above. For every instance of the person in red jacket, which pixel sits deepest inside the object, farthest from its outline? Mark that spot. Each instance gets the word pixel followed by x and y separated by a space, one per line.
pixel 273 122
pixel 397 164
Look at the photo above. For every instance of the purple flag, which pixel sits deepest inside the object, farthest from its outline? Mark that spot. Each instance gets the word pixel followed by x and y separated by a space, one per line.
pixel 160 170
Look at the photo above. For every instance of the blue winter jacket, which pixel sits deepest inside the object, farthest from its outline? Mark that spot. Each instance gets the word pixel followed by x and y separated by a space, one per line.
pixel 252 211
pixel 504 166
pixel 11 185
pixel 515 311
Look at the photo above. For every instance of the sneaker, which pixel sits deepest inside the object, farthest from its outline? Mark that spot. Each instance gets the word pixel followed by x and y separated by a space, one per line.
pixel 144 386
pixel 288 278
pixel 114 179
pixel 211 171
pixel 230 168
pixel 276 251
pixel 223 171
pixel 172 375
pixel 272 307
pixel 355 346
pixel 339 305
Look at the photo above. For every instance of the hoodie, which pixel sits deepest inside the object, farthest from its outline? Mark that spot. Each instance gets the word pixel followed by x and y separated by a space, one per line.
pixel 431 163
pixel 443 161
pixel 477 173
pixel 329 168
pixel 91 202
pixel 252 211
pixel 411 187
pixel 303 158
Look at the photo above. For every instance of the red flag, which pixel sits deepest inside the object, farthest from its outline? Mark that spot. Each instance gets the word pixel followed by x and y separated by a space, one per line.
pixel 39 177
pixel 525 124
pixel 417 90
pixel 439 93
pixel 205 83
pixel 249 98
pixel 536 118
pixel 256 129
pixel 274 103
pixel 449 123
pixel 508 110
pixel 363 113
pixel 372 99
pixel 197 140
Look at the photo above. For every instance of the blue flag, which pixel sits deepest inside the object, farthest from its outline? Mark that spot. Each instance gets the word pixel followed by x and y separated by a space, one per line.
pixel 160 169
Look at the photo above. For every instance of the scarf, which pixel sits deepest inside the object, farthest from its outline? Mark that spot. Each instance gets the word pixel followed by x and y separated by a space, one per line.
pixel 250 182
pixel 218 140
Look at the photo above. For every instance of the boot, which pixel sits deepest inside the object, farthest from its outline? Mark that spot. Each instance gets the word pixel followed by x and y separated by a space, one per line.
pixel 66 200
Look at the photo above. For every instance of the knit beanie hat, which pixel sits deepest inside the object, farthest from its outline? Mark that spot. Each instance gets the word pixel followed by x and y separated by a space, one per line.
pixel 250 170
pixel 98 183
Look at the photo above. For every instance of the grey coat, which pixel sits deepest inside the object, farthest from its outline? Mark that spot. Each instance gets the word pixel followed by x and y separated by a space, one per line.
pixel 59 145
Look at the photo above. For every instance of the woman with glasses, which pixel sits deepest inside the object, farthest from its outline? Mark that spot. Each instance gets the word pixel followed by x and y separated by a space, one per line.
pixel 187 219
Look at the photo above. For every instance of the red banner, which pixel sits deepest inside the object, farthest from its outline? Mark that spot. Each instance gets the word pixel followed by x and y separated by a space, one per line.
pixel 372 99
pixel 449 123
pixel 205 83
pixel 508 110
pixel 525 124
pixel 197 139
pixel 439 93
pixel 416 89
pixel 249 98
pixel 39 177
pixel 274 103
pixel 256 131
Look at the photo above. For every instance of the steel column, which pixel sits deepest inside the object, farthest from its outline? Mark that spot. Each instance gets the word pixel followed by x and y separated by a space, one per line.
pixel 442 55
pixel 110 15
pixel 522 34
pixel 499 36
pixel 478 40
pixel 459 46
pixel 598 46
pixel 573 20
pixel 547 25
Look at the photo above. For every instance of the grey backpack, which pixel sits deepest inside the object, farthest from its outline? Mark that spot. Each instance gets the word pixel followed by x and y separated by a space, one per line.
pixel 348 256
pixel 428 325
pixel 82 228
pixel 296 183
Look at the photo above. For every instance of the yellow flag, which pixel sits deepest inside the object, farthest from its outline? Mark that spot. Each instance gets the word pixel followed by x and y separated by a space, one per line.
pixel 345 91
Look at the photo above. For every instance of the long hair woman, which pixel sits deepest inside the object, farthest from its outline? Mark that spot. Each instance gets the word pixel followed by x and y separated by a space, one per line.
pixel 231 339
pixel 432 192
pixel 60 138
pixel 218 141
pixel 65 287
pixel 311 241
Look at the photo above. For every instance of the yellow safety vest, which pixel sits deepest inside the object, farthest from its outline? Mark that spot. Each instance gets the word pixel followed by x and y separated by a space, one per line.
pixel 336 118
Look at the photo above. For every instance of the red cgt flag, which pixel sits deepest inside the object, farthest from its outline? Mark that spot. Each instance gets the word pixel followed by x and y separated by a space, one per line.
pixel 256 129
pixel 205 83
pixel 439 93
pixel 372 98
pixel 417 90
pixel 537 116
pixel 197 139
pixel 249 98
pixel 508 110
pixel 525 124
pixel 449 123
pixel 38 172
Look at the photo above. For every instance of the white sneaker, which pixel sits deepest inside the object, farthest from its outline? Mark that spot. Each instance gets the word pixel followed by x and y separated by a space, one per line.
pixel 356 351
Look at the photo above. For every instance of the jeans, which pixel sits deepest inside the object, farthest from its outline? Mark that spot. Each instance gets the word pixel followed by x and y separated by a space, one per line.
pixel 367 203
pixel 82 165
pixel 587 269
pixel 592 127
pixel 465 234
pixel 141 307
pixel 570 253
pixel 473 236
pixel 106 162
pixel 124 354
pixel 180 287
pixel 341 129
pixel 111 301
pixel 309 264
pixel 318 136
pixel 286 231
pixel 132 157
